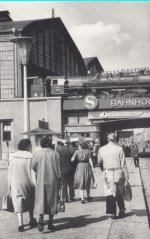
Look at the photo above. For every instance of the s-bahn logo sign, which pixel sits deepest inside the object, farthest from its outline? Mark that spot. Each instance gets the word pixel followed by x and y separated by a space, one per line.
pixel 90 102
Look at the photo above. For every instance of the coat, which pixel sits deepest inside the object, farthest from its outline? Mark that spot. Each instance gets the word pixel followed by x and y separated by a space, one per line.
pixel 114 166
pixel 20 181
pixel 65 154
pixel 46 164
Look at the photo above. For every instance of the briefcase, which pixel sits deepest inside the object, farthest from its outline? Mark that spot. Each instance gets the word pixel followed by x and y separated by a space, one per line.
pixel 7 204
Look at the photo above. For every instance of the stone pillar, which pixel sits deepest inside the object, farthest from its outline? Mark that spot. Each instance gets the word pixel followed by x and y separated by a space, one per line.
pixel 103 139
pixel 54 109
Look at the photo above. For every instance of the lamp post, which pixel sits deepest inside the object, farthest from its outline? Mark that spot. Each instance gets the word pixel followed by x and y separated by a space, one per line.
pixel 24 44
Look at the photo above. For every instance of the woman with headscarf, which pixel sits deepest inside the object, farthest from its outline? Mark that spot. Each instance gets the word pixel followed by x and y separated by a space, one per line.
pixel 20 182
pixel 83 179
pixel 46 164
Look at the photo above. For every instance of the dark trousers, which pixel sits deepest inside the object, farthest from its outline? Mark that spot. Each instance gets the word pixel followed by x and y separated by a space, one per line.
pixel 94 160
pixel 111 203
pixel 68 179
pixel 136 161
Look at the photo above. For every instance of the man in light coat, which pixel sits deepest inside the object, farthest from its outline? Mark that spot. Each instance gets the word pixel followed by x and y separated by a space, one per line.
pixel 115 173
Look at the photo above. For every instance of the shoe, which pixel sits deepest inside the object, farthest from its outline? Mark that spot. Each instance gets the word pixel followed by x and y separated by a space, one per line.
pixel 89 199
pixel 51 227
pixel 20 229
pixel 33 223
pixel 122 213
pixel 41 224
pixel 114 216
pixel 72 199
pixel 82 201
pixel 66 200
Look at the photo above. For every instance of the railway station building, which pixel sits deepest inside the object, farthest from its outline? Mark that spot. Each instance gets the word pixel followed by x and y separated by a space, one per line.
pixel 53 54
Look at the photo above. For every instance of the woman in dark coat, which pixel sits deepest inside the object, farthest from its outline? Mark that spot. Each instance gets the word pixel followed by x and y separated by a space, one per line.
pixel 83 178
pixel 46 164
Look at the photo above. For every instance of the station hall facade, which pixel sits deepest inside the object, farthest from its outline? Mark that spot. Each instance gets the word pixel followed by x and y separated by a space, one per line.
pixel 53 54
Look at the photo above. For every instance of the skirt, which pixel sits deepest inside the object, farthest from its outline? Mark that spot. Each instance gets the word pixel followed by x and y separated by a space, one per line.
pixel 83 176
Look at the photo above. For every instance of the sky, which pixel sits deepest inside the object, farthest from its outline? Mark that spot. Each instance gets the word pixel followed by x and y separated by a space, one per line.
pixel 118 33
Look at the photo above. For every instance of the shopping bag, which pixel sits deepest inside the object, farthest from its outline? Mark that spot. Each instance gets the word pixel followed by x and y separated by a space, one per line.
pixel 7 204
pixel 127 192
pixel 61 203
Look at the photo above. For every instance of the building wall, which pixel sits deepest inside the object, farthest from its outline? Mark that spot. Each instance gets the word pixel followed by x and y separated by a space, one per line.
pixel 48 109
pixel 53 53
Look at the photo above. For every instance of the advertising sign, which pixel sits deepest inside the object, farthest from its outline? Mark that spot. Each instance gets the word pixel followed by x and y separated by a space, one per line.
pixel 43 124
pixel 118 114
pixel 125 134
pixel 85 128
pixel 90 102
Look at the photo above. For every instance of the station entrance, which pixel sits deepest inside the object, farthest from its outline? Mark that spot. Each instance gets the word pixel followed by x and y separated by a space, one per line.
pixel 110 114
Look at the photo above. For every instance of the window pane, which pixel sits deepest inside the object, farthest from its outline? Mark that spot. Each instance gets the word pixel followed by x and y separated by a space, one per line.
pixel 6 70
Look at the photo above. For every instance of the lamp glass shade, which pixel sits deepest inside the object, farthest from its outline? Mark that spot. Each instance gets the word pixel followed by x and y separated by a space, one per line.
pixel 24 44
pixel 24 48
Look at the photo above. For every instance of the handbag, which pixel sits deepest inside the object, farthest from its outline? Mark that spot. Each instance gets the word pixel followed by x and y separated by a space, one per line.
pixel 7 203
pixel 127 192
pixel 61 203
pixel 94 186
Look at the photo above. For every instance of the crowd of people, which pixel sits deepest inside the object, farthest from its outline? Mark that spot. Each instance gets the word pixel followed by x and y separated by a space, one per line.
pixel 65 169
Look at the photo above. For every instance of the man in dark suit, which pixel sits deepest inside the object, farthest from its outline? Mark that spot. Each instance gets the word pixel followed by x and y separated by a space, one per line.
pixel 65 154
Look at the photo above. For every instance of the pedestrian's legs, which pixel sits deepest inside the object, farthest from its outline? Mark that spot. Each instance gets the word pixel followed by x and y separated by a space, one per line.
pixel 20 220
pixel 50 223
pixel 70 184
pixel 120 202
pixel 41 223
pixel 64 189
pixel 31 214
pixel 135 161
pixel 82 195
pixel 88 192
pixel 33 222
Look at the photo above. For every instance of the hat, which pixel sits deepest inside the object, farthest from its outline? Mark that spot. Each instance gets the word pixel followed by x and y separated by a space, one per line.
pixel 96 140
pixel 66 141
pixel 111 136
pixel 81 140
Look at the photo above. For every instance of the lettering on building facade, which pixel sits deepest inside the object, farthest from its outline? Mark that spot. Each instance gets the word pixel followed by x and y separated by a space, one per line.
pixel 130 102
pixel 88 128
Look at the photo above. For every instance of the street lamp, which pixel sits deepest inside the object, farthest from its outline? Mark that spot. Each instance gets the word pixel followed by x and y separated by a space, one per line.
pixel 24 44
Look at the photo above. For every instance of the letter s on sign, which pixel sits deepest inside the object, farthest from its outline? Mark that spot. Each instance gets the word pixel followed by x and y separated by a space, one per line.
pixel 90 102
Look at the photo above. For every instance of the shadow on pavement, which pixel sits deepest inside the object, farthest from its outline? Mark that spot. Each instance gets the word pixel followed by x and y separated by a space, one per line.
pixel 140 213
pixel 98 199
pixel 132 186
pixel 129 214
pixel 141 168
pixel 76 222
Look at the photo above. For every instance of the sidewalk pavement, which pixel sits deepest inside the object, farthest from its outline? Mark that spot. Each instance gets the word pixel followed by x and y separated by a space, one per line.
pixel 88 220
